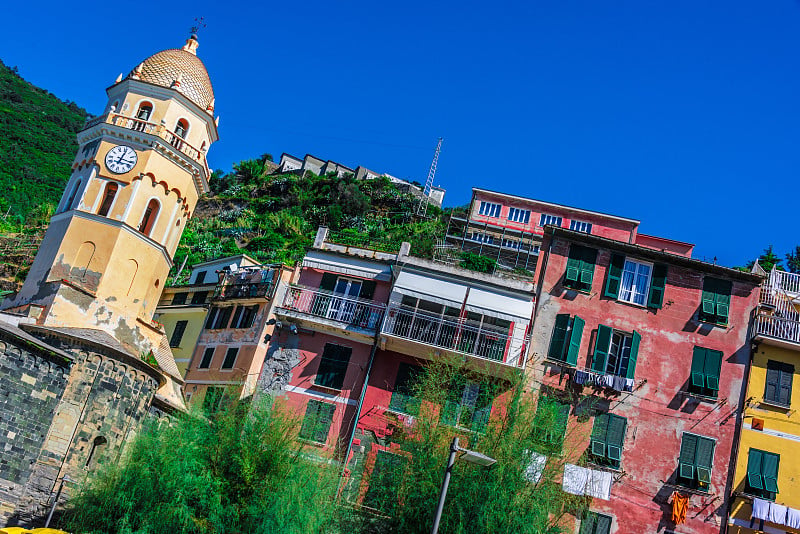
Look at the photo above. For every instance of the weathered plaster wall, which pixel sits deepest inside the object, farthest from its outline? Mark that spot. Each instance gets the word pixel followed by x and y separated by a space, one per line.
pixel 657 410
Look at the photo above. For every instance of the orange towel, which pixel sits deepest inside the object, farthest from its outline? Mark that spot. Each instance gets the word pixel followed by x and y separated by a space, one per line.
pixel 680 505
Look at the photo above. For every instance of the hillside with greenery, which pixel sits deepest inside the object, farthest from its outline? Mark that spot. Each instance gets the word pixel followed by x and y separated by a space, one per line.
pixel 273 217
pixel 37 146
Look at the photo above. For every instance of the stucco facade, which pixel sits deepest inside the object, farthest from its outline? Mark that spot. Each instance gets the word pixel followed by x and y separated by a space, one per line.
pixel 657 350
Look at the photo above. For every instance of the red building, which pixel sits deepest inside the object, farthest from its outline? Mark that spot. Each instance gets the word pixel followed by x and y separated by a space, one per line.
pixel 647 350
pixel 326 326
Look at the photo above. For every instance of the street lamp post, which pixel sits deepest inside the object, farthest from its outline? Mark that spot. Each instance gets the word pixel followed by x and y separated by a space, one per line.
pixel 467 455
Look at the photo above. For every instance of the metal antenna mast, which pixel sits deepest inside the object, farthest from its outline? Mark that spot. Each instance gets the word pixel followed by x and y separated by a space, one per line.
pixel 423 205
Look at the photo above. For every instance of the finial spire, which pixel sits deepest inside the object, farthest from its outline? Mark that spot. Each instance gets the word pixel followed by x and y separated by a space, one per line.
pixel 198 25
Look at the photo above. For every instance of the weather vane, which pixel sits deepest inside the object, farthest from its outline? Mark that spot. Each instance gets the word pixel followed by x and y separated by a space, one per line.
pixel 198 23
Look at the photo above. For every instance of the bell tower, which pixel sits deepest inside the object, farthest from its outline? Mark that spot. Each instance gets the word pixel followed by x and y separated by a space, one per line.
pixel 139 171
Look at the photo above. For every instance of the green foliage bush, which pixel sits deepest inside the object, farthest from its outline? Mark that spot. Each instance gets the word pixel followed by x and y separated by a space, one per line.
pixel 241 470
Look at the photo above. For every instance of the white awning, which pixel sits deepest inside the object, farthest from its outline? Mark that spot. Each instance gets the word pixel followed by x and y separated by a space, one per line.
pixel 430 289
pixel 348 266
pixel 499 305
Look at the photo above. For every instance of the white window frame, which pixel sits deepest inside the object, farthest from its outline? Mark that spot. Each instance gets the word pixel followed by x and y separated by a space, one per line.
pixel 489 209
pixel 519 215
pixel 546 218
pixel 633 288
pixel 618 366
pixel 580 226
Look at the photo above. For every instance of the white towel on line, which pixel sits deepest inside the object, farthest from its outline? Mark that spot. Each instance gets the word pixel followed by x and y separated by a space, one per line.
pixel 793 518
pixel 599 484
pixel 777 514
pixel 760 508
pixel 575 479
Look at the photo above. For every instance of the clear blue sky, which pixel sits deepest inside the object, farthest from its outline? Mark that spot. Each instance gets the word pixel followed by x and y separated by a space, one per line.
pixel 683 114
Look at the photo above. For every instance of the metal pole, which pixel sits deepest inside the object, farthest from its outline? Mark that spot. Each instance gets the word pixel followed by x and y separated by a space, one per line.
pixel 55 502
pixel 446 482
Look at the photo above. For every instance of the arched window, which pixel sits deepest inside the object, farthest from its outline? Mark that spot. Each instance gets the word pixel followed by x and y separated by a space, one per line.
pixel 68 205
pixel 149 218
pixel 144 111
pixel 108 199
pixel 95 453
pixel 181 128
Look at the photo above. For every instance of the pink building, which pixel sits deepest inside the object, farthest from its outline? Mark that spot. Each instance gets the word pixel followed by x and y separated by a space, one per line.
pixel 647 350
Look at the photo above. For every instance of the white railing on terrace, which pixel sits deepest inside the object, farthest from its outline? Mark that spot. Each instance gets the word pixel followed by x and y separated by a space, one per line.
pixel 778 327
pixel 356 312
pixel 455 335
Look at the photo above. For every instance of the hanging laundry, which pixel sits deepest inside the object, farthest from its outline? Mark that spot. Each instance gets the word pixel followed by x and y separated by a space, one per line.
pixel 535 468
pixel 599 484
pixel 575 479
pixel 608 381
pixel 680 505
pixel 628 384
pixel 777 514
pixel 760 508
pixel 580 377
pixel 792 518
pixel 619 383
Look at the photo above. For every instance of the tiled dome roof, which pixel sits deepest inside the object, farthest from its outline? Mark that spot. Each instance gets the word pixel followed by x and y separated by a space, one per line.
pixel 180 69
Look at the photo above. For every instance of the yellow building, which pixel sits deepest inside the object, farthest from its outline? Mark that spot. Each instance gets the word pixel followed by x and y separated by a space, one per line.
pixel 182 310
pixel 136 179
pixel 766 485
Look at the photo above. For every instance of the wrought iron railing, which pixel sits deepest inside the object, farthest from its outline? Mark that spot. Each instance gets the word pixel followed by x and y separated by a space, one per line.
pixel 351 311
pixel 459 336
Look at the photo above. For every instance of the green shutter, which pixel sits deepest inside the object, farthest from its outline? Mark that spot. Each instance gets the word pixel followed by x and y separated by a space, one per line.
pixel 769 468
pixel 615 436
pixel 324 419
pixel 587 266
pixel 687 456
pixel 574 263
pixel 709 297
pixel 588 523
pixel 723 307
pixel 704 459
pixel 785 385
pixel 328 282
pixel 599 434
pixel 601 348
pixel 712 367
pixel 556 351
pixel 773 385
pixel 575 340
pixel 614 276
pixel 603 525
pixel 635 341
pixel 698 367
pixel 754 476
pixel 658 284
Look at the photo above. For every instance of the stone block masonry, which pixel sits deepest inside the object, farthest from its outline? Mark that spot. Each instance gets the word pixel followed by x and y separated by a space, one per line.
pixel 32 380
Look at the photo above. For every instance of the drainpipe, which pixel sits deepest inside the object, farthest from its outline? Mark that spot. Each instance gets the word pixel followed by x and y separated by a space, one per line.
pixel 358 410
pixel 737 440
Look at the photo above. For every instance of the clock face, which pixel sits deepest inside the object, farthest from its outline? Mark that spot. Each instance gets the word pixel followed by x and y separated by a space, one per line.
pixel 121 159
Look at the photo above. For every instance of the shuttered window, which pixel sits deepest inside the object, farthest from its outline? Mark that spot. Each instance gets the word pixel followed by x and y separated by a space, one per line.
pixel 636 282
pixel 580 268
pixel 384 481
pixel 608 434
pixel 706 365
pixel 230 358
pixel 404 398
pixel 779 383
pixel 550 425
pixel 333 366
pixel 317 421
pixel 716 300
pixel 177 334
pixel 695 461
pixel 468 404
pixel 566 341
pixel 762 474
pixel 594 523
pixel 615 352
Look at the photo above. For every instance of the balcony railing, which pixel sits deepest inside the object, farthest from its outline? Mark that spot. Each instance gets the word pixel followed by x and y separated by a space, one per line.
pixel 778 327
pixel 159 130
pixel 246 284
pixel 459 336
pixel 351 311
